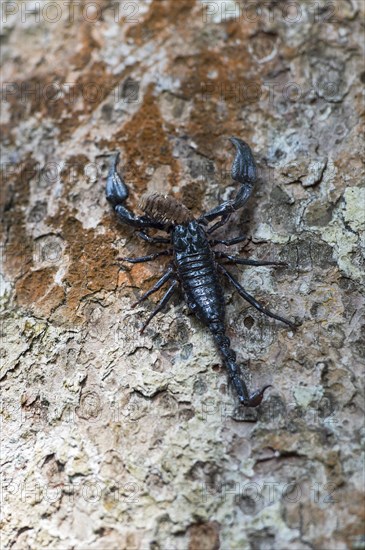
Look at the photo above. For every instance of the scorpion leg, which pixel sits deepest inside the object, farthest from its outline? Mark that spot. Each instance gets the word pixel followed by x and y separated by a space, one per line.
pixel 146 258
pixel 228 242
pixel 251 300
pixel 117 193
pixel 165 277
pixel 219 224
pixel 243 261
pixel 153 240
pixel 244 171
pixel 161 304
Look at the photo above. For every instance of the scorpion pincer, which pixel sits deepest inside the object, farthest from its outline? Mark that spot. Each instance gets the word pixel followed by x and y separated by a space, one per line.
pixel 195 266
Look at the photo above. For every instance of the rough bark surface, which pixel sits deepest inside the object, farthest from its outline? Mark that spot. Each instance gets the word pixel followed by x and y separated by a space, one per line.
pixel 114 440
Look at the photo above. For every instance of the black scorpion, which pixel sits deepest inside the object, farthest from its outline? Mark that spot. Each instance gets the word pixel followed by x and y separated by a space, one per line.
pixel 195 265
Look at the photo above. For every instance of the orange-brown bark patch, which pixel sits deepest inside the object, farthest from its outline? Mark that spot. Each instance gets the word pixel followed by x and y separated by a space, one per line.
pixel 146 143
pixel 161 15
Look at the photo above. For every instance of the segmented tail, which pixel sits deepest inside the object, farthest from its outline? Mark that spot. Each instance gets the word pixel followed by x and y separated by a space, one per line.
pixel 229 358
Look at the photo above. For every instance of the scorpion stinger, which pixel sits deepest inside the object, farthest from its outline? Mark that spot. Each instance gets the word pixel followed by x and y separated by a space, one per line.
pixel 195 267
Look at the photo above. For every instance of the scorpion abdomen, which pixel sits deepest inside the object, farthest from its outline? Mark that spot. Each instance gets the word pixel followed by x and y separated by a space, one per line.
pixel 197 272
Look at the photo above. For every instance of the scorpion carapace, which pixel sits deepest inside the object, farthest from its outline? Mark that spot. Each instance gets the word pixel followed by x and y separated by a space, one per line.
pixel 195 266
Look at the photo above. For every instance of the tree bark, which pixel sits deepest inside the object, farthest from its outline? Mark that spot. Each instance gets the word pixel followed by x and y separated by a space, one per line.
pixel 112 439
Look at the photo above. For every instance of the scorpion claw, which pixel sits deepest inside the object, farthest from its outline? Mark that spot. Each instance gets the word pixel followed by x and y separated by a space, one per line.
pixel 244 167
pixel 116 189
pixel 256 397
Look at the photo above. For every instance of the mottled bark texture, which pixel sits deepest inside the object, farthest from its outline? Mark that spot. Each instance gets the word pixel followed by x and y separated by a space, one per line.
pixel 113 440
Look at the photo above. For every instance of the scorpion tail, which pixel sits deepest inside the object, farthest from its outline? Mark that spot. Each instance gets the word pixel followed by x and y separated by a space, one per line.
pixel 229 357
pixel 246 398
